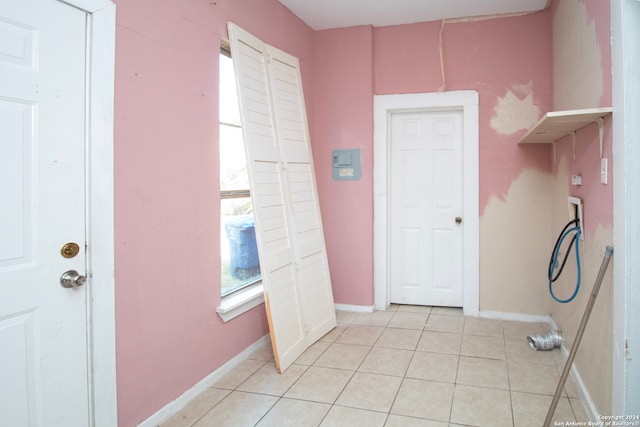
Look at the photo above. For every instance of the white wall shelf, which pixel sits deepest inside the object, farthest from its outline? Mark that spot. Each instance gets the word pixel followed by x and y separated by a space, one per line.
pixel 557 124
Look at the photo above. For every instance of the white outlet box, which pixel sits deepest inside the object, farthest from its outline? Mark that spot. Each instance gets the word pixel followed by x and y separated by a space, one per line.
pixel 575 205
pixel 604 170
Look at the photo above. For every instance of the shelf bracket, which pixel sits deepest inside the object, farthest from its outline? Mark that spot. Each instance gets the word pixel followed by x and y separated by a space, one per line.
pixel 573 145
pixel 601 134
pixel 553 145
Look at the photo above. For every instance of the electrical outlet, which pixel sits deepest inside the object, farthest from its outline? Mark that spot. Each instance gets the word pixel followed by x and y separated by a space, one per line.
pixel 604 170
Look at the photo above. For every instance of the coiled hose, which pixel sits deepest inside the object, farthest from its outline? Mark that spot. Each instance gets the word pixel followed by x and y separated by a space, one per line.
pixel 554 258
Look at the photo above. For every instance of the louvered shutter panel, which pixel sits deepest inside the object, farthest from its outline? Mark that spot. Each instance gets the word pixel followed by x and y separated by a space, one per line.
pixel 275 247
pixel 304 210
pixel 293 258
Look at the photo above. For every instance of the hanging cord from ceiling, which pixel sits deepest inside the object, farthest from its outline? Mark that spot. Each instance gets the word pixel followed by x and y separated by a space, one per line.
pixel 441 50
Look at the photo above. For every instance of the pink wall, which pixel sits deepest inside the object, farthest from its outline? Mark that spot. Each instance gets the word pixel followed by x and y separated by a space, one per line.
pixel 343 108
pixel 407 58
pixel 493 57
pixel 353 64
pixel 169 336
pixel 167 218
pixel 489 56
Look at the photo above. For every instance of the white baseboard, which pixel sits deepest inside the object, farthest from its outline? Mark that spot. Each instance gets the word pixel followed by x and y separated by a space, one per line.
pixel 175 406
pixel 585 397
pixel 515 316
pixel 355 308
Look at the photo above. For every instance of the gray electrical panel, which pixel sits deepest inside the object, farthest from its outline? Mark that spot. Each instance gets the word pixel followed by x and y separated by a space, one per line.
pixel 346 164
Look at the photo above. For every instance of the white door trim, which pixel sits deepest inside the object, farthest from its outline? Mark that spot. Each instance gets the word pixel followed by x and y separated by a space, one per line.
pixel 384 106
pixel 101 25
pixel 626 231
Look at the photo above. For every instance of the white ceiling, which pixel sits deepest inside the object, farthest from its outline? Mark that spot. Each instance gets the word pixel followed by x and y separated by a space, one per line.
pixel 324 14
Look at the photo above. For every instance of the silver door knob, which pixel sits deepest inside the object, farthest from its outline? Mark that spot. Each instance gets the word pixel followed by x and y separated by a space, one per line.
pixel 72 279
pixel 458 220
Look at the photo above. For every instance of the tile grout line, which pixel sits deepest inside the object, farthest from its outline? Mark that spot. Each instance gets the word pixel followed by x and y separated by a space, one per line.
pixel 506 362
pixel 403 377
pixel 228 394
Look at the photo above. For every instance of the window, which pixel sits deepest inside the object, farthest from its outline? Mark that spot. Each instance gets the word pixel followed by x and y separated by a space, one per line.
pixel 239 252
pixel 295 270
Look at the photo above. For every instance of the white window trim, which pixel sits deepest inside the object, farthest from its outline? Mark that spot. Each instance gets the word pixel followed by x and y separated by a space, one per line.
pixel 241 301
pixel 244 299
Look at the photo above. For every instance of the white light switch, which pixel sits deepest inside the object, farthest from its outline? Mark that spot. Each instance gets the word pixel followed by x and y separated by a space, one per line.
pixel 604 169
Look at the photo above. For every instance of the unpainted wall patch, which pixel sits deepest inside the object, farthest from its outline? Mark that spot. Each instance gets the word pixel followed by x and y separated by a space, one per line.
pixel 578 70
pixel 515 112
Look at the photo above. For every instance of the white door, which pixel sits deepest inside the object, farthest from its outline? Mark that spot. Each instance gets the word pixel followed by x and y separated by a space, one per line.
pixel 43 326
pixel 426 201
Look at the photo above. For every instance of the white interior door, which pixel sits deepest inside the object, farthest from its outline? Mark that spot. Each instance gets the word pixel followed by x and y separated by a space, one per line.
pixel 426 205
pixel 43 326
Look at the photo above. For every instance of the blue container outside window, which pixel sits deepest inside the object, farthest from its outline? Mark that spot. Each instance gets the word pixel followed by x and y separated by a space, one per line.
pixel 244 260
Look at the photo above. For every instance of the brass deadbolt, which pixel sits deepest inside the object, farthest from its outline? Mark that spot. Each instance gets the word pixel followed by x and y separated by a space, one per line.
pixel 69 250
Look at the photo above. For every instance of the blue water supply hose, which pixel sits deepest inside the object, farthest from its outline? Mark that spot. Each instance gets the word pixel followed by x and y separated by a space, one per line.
pixel 575 232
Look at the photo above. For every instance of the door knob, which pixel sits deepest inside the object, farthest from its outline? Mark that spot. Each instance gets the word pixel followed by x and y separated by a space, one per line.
pixel 458 220
pixel 72 279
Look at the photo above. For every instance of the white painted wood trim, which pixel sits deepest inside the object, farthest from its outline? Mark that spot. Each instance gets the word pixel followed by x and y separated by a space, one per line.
pixel 384 105
pixel 516 317
pixel 90 6
pixel 239 302
pixel 101 26
pixel 355 308
pixel 558 124
pixel 208 381
pixel 625 35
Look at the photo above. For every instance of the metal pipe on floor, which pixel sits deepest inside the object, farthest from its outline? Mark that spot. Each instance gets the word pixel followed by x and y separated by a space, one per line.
pixel 548 341
pixel 581 328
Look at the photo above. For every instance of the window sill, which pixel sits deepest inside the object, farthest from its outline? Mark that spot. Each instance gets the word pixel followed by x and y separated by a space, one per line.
pixel 240 302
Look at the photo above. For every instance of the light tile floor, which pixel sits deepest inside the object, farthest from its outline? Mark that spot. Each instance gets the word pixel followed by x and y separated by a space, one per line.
pixel 407 366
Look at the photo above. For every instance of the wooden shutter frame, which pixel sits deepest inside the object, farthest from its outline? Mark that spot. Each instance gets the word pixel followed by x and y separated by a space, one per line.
pixel 290 306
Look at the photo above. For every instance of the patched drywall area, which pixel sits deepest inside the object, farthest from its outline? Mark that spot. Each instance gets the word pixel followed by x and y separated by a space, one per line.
pixel 582 79
pixel 596 348
pixel 577 60
pixel 515 111
pixel 514 247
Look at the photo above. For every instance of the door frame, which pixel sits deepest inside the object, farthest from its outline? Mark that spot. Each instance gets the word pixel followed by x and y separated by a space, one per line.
pixel 626 231
pixel 384 106
pixel 101 25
